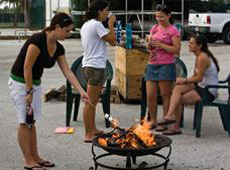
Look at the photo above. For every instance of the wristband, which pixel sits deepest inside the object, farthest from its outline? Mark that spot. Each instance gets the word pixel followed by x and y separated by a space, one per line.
pixel 30 91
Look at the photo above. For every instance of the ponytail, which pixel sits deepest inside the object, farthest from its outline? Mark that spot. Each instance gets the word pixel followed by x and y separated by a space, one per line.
pixel 214 60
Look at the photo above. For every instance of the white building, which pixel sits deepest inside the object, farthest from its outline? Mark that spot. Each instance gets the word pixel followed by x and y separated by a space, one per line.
pixel 53 6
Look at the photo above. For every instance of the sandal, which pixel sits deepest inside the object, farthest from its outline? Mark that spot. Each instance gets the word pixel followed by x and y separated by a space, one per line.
pixel 46 164
pixel 165 122
pixel 172 132
pixel 36 167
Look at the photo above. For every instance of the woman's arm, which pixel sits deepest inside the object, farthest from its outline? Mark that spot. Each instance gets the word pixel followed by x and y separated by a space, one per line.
pixel 31 56
pixel 71 77
pixel 111 36
pixel 148 44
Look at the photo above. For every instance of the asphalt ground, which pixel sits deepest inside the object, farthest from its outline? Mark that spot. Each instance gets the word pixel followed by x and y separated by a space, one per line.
pixel 69 152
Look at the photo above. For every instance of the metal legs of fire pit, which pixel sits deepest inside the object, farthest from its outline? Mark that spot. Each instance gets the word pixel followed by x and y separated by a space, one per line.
pixel 128 161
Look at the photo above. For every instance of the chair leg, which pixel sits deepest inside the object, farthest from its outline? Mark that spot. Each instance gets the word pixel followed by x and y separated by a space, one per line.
pixel 69 104
pixel 222 116
pixel 225 117
pixel 198 118
pixel 76 107
pixel 195 116
pixel 143 99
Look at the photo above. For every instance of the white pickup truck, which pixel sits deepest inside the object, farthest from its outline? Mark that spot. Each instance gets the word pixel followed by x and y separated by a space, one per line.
pixel 213 25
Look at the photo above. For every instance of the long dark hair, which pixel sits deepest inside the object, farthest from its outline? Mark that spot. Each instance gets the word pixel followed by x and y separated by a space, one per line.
pixel 163 8
pixel 95 6
pixel 202 40
pixel 61 19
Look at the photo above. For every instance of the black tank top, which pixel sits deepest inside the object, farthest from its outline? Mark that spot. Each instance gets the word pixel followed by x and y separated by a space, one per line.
pixel 44 60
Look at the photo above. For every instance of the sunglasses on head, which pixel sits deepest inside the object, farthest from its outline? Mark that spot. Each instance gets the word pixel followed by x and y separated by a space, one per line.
pixel 161 7
pixel 66 19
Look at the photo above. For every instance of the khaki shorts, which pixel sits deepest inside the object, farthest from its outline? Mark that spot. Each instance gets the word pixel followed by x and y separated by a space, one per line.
pixel 18 93
pixel 95 76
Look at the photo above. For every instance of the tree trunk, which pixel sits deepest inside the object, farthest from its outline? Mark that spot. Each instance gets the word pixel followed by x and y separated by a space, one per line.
pixel 27 7
pixel 16 15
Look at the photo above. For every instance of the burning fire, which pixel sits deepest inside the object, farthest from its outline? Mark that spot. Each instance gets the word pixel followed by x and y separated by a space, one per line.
pixel 136 137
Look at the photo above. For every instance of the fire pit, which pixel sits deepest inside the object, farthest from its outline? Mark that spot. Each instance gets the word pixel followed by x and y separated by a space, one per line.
pixel 131 153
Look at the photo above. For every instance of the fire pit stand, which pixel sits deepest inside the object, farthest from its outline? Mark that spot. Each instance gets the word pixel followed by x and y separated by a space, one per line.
pixel 132 154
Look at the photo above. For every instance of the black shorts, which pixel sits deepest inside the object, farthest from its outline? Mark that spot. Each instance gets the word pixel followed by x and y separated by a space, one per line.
pixel 203 93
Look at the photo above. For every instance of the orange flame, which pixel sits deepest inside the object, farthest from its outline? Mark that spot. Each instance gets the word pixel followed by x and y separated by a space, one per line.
pixel 144 134
pixel 102 141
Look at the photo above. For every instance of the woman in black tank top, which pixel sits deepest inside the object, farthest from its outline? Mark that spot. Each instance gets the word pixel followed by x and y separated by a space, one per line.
pixel 40 51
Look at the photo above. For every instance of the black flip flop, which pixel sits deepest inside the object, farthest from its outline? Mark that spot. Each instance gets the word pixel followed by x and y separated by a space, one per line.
pixel 87 141
pixel 46 164
pixel 171 132
pixel 33 167
pixel 166 122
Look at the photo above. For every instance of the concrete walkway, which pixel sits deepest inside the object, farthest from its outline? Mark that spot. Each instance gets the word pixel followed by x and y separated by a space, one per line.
pixel 210 152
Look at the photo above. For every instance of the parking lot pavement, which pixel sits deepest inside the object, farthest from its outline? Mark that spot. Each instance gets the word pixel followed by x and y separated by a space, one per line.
pixel 210 152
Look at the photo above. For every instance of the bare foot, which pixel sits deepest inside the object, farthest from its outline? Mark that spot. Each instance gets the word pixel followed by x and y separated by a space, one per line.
pixel 98 132
pixel 88 137
pixel 169 117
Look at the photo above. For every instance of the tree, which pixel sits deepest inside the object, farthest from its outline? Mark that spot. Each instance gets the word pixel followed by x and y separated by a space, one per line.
pixel 27 7
pixel 18 7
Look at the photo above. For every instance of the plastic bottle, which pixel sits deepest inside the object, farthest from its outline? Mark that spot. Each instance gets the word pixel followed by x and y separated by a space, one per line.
pixel 128 36
pixel 118 31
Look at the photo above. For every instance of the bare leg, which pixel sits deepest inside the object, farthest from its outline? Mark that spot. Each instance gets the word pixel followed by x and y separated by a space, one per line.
pixel 89 111
pixel 166 91
pixel 151 90
pixel 24 140
pixel 178 117
pixel 33 141
pixel 190 98
pixel 176 97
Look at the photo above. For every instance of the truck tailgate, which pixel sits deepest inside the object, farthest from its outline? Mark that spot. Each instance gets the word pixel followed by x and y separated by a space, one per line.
pixel 200 20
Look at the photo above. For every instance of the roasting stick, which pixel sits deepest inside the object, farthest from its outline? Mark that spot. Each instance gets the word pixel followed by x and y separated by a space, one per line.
pixel 92 104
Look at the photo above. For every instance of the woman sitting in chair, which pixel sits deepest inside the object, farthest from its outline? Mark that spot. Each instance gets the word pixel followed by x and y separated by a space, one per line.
pixel 190 90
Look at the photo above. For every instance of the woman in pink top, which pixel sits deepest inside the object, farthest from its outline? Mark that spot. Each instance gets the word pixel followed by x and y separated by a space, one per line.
pixel 163 42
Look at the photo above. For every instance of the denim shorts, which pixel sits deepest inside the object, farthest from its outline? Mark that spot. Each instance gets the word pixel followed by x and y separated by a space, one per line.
pixel 160 72
pixel 95 76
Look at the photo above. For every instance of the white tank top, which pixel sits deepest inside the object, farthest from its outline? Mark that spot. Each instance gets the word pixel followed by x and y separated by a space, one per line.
pixel 210 78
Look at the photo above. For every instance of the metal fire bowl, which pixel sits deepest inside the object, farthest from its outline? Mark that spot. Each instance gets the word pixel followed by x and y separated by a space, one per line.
pixel 161 142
